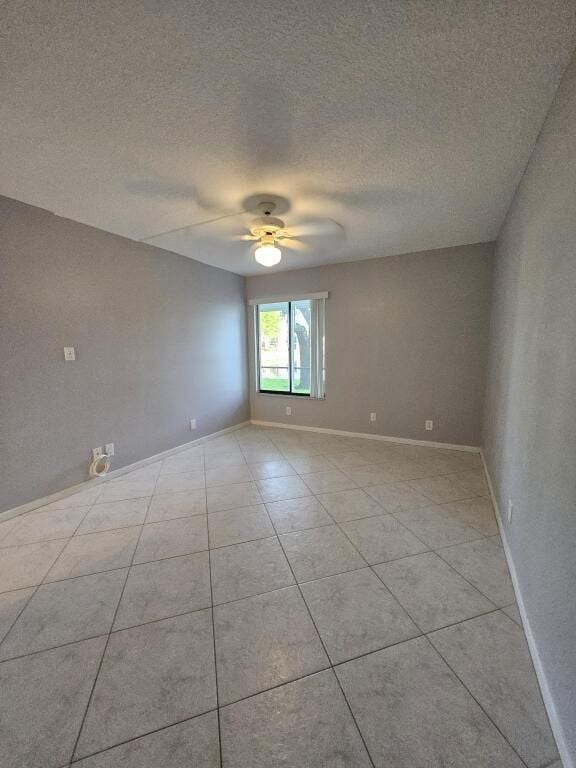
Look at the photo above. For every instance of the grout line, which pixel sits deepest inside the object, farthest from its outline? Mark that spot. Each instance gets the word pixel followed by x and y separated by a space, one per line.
pixel 439 553
pixel 297 584
pixel 97 675
pixel 475 699
pixel 140 736
pixel 327 654
pixel 436 552
pixel 37 586
pixel 235 600
pixel 213 627
pixel 54 647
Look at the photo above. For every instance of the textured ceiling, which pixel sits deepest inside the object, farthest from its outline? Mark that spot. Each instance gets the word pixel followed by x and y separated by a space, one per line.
pixel 407 121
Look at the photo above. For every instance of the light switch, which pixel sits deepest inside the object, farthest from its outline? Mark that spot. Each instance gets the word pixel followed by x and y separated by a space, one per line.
pixel 69 353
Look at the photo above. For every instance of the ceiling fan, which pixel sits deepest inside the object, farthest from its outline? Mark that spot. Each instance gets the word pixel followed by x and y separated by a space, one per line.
pixel 268 232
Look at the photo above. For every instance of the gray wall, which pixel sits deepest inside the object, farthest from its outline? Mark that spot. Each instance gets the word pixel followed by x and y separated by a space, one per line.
pixel 530 423
pixel 406 336
pixel 159 339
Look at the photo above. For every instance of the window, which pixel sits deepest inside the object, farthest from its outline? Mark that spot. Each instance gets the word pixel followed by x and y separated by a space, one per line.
pixel 290 339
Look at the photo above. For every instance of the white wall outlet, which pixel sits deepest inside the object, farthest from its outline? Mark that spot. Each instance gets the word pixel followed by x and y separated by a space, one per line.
pixel 69 353
pixel 429 425
pixel 509 511
pixel 372 417
pixel 96 453
pixel 192 425
pixel 109 448
pixel 288 410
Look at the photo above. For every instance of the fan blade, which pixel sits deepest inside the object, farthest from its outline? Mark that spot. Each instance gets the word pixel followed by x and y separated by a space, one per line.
pixel 316 229
pixel 293 244
pixel 192 226
pixel 235 238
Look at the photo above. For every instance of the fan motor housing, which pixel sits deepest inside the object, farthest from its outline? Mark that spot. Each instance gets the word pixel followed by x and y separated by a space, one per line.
pixel 266 225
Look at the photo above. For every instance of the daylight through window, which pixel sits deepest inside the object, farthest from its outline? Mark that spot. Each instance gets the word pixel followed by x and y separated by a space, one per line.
pixel 291 347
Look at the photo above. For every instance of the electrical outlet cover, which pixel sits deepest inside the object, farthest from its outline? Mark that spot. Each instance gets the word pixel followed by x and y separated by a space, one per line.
pixel 510 511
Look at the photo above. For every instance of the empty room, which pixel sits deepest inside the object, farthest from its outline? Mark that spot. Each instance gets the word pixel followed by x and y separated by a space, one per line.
pixel 288 384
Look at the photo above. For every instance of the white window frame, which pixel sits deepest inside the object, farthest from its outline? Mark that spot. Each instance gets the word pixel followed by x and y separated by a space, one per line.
pixel 317 342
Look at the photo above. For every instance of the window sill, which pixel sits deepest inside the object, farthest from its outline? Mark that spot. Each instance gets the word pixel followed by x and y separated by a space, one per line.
pixel 290 396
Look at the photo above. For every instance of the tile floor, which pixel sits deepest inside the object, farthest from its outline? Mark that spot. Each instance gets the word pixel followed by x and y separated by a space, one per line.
pixel 269 598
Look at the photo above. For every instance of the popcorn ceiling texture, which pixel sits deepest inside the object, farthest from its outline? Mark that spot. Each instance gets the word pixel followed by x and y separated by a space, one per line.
pixel 409 122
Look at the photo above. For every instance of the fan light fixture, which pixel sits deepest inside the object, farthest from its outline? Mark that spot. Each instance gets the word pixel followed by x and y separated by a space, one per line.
pixel 267 252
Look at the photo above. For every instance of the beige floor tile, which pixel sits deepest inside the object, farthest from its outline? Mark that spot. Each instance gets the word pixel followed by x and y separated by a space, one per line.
pixel 437 526
pixel 478 513
pixel 114 514
pixel 276 468
pixel 489 654
pixel 328 482
pixel 225 497
pixel 484 565
pixel 11 604
pixel 152 676
pixel 222 460
pixel 275 638
pixel 440 489
pixel 305 723
pixel 45 526
pixel 183 481
pixel 474 481
pixel 187 461
pixel 95 552
pixel 279 488
pixel 298 514
pixel 347 459
pixel 397 497
pixel 355 614
pixel 512 612
pixel 350 505
pixel 42 701
pixel 228 475
pixel 65 612
pixel 171 538
pixel 147 473
pixel 413 711
pixel 248 569
pixel 164 588
pixel 432 593
pixel 379 539
pixel 369 474
pixel 167 506
pixel 26 565
pixel 83 498
pixel 319 552
pixel 234 526
pixel 307 464
pixel 192 743
pixel 127 489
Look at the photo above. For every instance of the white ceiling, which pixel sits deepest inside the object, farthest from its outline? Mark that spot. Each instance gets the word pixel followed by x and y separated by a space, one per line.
pixel 407 121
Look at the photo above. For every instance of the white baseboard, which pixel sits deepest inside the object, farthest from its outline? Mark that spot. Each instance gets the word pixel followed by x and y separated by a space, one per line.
pixel 557 729
pixel 385 438
pixel 31 505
